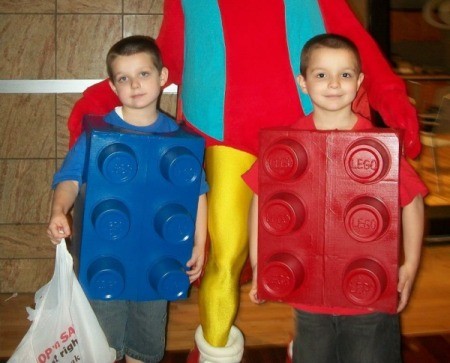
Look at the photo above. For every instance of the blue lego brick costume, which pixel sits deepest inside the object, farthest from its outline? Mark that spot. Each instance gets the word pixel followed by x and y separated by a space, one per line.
pixel 134 219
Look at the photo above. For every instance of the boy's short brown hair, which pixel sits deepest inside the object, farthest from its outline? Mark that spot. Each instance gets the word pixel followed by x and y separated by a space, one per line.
pixel 327 40
pixel 132 45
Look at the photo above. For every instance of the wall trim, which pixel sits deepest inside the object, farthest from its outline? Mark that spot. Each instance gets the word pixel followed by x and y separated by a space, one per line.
pixel 56 86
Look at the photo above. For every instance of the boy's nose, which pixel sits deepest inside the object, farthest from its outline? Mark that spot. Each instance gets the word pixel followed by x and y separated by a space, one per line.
pixel 135 83
pixel 334 83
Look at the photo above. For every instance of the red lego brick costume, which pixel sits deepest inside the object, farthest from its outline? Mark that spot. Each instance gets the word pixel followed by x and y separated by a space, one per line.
pixel 236 62
pixel 301 259
pixel 409 186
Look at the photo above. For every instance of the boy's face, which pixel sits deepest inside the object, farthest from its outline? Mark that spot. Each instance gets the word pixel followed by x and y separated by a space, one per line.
pixel 332 78
pixel 136 81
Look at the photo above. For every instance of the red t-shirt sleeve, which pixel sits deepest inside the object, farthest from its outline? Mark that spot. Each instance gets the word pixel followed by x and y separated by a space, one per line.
pixel 410 184
pixel 251 177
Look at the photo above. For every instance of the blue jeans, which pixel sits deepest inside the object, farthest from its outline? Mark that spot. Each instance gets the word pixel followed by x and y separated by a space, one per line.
pixel 370 338
pixel 136 329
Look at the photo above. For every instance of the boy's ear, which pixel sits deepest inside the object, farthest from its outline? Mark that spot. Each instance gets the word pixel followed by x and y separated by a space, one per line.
pixel 163 76
pixel 302 83
pixel 111 84
pixel 360 79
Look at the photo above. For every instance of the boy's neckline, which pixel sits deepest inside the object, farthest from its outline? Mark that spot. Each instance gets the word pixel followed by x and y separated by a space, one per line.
pixel 119 111
pixel 348 127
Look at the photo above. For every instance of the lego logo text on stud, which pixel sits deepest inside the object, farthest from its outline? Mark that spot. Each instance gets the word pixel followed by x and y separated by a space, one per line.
pixel 285 160
pixel 283 213
pixel 367 161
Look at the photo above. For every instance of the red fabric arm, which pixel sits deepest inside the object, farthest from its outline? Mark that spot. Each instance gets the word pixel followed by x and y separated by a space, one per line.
pixel 171 40
pixel 386 91
pixel 340 19
pixel 98 99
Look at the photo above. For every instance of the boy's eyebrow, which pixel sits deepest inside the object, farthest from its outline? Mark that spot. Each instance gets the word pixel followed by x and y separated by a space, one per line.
pixel 316 69
pixel 352 68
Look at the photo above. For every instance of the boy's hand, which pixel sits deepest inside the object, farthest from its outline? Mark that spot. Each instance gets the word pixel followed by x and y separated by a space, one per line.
pixel 253 293
pixel 58 228
pixel 195 264
pixel 406 276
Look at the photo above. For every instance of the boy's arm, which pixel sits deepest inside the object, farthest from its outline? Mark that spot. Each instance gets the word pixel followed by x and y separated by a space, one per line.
pixel 63 200
pixel 197 259
pixel 253 232
pixel 413 226
pixel 253 248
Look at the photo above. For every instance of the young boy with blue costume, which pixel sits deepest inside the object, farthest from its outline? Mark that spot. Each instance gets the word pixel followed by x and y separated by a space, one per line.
pixel 136 75
pixel 331 75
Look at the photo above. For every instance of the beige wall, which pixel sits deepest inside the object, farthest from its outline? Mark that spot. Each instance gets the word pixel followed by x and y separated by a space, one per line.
pixel 41 40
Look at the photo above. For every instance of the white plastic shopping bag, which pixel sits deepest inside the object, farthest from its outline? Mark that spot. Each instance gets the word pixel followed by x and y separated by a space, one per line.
pixel 64 327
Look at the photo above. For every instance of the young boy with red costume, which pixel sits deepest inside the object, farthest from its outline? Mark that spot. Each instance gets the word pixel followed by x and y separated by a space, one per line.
pixel 331 75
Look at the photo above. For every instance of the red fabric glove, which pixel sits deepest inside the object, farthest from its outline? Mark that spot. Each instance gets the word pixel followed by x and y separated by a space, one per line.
pixel 397 112
pixel 98 99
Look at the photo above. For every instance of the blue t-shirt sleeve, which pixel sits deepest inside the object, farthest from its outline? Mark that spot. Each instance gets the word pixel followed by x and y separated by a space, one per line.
pixel 169 125
pixel 73 165
pixel 204 186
